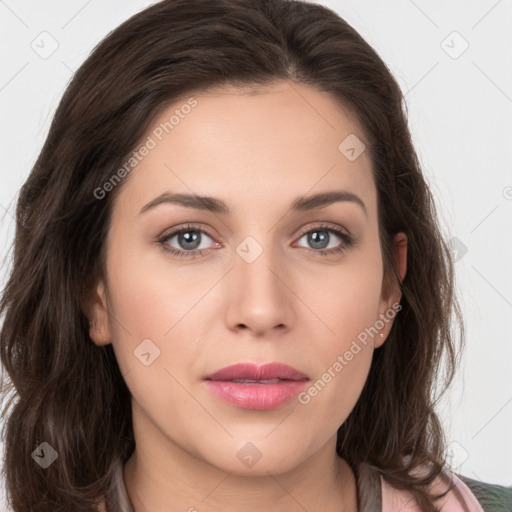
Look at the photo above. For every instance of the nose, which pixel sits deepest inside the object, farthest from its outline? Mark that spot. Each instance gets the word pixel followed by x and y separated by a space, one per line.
pixel 260 292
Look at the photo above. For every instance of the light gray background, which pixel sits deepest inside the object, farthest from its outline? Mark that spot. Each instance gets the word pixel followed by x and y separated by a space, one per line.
pixel 460 106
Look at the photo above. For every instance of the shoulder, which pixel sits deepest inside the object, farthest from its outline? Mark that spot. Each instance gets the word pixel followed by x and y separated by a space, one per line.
pixel 465 495
pixel 492 497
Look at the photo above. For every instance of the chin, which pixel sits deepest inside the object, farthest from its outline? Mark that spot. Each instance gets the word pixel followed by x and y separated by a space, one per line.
pixel 250 460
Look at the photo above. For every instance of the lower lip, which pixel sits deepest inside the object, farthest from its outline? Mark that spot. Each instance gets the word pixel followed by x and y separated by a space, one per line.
pixel 259 397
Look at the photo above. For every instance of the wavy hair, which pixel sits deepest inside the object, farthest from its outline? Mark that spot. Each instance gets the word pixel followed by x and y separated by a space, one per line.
pixel 63 389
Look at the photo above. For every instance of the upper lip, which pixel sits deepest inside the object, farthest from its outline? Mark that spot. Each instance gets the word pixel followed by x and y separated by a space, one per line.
pixel 254 372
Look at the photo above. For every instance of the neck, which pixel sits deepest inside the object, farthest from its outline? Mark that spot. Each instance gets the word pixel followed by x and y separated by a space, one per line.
pixel 319 484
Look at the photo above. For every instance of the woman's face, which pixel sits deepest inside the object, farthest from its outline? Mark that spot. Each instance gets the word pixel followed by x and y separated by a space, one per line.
pixel 256 281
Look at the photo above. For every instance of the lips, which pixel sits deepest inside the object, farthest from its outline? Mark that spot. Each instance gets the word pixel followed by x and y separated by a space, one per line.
pixel 255 373
pixel 249 386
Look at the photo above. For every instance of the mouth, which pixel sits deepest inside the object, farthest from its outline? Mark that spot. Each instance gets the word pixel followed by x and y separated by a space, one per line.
pixel 262 381
pixel 253 372
pixel 249 386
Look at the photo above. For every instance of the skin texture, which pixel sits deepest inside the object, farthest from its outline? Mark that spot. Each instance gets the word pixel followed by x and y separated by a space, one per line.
pixel 257 152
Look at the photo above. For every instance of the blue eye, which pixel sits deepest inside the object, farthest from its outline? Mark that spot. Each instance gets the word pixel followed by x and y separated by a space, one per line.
pixel 191 238
pixel 318 236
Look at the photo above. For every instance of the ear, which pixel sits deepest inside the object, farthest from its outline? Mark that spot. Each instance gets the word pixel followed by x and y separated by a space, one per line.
pixel 99 330
pixel 391 293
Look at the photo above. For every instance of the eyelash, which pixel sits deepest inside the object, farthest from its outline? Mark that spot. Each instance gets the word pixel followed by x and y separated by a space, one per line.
pixel 347 241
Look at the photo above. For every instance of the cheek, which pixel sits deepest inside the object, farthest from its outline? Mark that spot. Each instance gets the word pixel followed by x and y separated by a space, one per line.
pixel 156 310
pixel 149 293
pixel 154 345
pixel 349 305
pixel 345 299
pixel 346 358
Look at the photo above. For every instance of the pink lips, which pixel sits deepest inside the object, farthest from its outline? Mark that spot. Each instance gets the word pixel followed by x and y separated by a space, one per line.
pixel 269 387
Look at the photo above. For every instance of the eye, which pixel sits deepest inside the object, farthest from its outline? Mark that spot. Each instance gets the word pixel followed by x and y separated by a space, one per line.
pixel 324 243
pixel 190 242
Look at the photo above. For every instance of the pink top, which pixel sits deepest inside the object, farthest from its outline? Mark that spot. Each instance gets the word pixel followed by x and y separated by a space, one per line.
pixel 459 499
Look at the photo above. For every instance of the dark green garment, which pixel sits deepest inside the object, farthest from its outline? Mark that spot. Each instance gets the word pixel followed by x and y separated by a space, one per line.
pixel 492 497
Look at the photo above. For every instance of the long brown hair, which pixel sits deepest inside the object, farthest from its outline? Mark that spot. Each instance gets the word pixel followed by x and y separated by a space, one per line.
pixel 66 391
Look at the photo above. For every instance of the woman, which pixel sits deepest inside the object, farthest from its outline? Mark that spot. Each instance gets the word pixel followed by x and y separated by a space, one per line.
pixel 229 288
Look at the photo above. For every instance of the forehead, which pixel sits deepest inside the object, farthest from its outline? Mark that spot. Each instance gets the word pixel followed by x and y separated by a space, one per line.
pixel 276 142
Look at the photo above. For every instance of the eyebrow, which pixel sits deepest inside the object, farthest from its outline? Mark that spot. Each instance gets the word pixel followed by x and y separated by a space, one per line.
pixel 211 204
